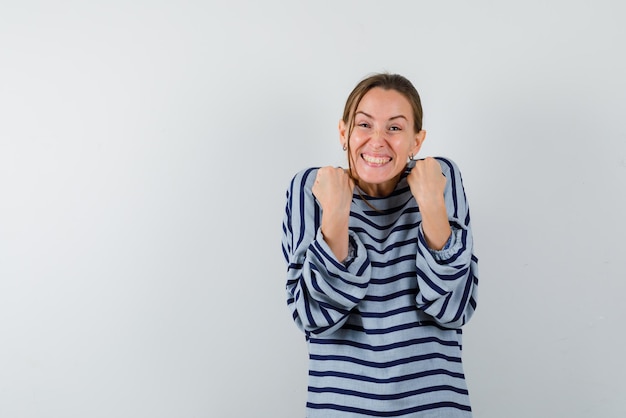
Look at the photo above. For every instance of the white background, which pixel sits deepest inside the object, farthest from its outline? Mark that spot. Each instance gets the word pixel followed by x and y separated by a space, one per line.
pixel 146 146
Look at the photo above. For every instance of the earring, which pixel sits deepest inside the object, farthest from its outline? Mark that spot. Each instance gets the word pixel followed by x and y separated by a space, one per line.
pixel 411 157
pixel 345 147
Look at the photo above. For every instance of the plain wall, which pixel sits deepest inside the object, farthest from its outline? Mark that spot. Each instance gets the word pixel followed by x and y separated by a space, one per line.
pixel 145 150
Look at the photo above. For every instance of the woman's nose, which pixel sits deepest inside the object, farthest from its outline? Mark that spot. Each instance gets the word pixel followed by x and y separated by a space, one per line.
pixel 378 137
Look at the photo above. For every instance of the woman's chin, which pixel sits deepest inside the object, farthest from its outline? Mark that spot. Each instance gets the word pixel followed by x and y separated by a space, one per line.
pixel 377 174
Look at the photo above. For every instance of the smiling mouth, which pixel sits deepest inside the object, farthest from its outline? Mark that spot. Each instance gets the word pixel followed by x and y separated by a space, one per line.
pixel 375 160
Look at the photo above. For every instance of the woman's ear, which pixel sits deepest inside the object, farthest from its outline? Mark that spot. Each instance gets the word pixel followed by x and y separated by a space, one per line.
pixel 420 137
pixel 342 135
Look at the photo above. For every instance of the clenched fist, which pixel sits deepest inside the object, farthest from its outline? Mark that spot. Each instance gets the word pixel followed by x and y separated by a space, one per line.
pixel 427 185
pixel 426 181
pixel 333 190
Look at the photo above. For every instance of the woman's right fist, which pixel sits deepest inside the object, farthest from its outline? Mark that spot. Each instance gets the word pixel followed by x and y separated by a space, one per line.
pixel 333 189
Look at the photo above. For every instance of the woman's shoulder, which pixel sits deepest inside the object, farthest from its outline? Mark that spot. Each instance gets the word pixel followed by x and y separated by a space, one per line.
pixel 303 179
pixel 449 167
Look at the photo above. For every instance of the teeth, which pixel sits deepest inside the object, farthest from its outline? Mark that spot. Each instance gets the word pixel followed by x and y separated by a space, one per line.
pixel 376 160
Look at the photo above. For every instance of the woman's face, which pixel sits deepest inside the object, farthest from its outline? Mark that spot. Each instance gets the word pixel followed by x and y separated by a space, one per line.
pixel 382 139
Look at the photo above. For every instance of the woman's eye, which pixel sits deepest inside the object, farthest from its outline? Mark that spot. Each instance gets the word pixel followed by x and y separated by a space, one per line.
pixel 394 128
pixel 364 125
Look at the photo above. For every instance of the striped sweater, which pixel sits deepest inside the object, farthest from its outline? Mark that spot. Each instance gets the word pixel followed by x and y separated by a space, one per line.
pixel 383 327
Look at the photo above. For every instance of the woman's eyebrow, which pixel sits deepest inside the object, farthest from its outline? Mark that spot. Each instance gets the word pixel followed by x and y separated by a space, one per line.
pixel 391 118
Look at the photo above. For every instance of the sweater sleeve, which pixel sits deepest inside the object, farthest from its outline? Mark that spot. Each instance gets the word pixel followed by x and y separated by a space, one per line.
pixel 321 291
pixel 448 279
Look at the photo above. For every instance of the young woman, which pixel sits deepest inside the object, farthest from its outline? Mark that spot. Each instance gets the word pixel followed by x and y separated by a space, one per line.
pixel 381 273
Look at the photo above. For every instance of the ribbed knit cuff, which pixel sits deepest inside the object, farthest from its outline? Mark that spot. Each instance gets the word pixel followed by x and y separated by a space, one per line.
pixel 452 246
